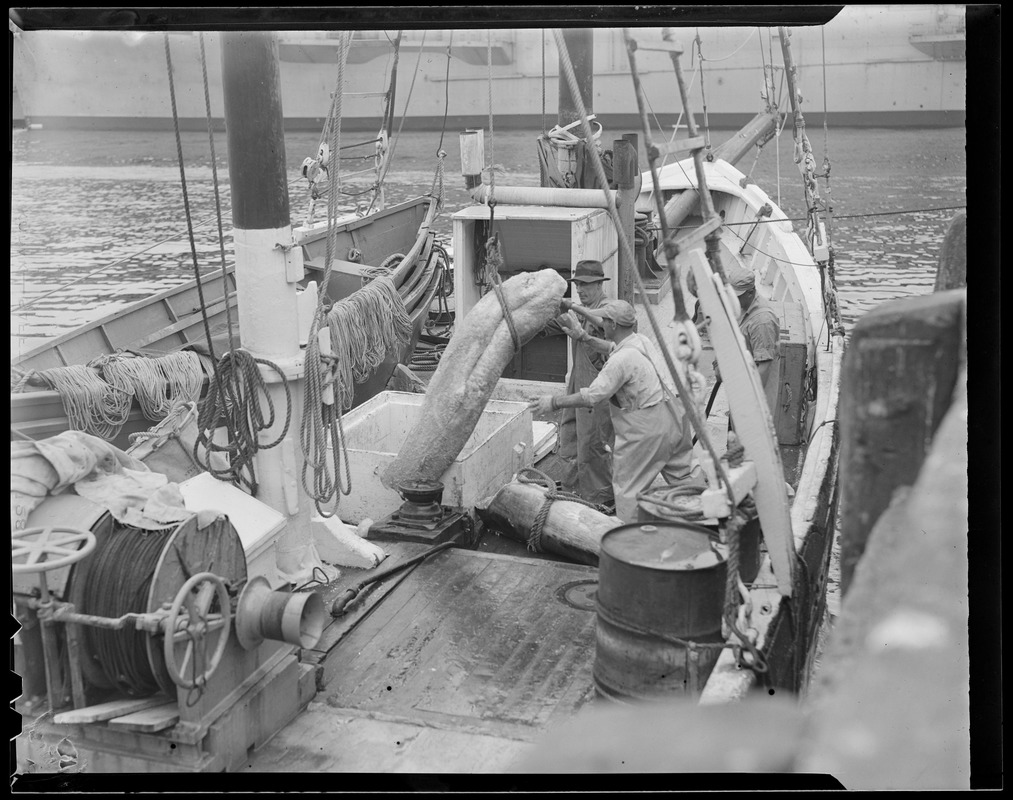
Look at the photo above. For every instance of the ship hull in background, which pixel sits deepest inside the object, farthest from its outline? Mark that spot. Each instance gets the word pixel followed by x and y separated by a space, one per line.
pixel 885 66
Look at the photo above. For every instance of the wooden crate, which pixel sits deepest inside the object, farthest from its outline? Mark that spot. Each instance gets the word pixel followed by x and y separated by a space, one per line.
pixel 532 236
pixel 789 414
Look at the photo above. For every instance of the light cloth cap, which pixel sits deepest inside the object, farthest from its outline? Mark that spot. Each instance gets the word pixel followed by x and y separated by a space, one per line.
pixel 620 312
pixel 741 280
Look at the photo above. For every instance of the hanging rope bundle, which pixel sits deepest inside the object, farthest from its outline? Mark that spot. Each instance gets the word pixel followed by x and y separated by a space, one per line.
pixel 119 577
pixel 235 401
pixel 159 384
pixel 91 404
pixel 365 327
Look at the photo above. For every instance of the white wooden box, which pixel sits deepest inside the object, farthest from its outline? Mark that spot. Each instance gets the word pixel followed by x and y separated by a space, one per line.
pixel 532 236
pixel 500 446
pixel 259 526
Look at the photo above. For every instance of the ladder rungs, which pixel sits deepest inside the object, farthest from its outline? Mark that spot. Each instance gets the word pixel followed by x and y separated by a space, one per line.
pixel 363 94
pixel 702 232
pixel 681 146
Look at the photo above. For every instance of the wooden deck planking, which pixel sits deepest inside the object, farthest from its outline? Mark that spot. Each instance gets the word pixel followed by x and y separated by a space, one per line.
pixel 389 623
pixel 492 643
pixel 419 632
pixel 480 656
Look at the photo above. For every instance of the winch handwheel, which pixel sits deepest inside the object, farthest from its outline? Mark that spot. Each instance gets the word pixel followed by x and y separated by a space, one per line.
pixel 58 541
pixel 197 628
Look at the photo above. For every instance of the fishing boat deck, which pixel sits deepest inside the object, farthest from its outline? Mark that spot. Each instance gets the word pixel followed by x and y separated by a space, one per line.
pixel 467 660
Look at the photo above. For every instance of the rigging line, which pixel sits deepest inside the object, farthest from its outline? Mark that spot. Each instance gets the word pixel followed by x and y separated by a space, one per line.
pixel 725 58
pixel 186 201
pixel 771 221
pixel 543 81
pixel 446 94
pixel 218 199
pixel 404 114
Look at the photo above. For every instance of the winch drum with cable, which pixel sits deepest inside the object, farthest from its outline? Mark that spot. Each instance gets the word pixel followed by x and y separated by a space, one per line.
pixel 185 569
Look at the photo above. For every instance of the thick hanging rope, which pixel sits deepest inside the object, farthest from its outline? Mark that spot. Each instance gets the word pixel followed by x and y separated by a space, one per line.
pixel 684 392
pixel 365 328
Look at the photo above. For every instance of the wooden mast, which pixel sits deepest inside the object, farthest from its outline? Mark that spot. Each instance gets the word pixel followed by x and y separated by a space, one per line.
pixel 268 266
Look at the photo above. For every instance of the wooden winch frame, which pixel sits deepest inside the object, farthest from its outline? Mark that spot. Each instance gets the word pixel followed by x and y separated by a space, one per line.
pixel 221 693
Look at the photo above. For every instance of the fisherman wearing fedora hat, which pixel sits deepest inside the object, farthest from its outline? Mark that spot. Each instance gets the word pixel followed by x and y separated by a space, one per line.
pixel 585 434
pixel 651 433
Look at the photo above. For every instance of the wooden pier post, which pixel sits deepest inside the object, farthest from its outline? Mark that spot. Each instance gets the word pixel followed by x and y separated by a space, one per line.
pixel 897 383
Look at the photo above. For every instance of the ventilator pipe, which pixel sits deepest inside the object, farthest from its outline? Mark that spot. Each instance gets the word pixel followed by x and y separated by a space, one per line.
pixel 296 618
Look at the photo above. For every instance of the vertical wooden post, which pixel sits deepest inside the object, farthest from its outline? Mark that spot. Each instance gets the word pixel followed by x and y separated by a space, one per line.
pixel 580 46
pixel 625 174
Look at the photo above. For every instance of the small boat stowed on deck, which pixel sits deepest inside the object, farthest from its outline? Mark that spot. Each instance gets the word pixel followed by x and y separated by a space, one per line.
pixel 219 659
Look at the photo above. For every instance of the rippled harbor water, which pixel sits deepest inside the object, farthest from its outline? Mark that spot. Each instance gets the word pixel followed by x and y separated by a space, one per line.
pixel 82 201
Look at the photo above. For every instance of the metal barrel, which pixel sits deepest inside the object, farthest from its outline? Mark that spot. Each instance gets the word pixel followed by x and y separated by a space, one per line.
pixel 661 590
pixel 749 536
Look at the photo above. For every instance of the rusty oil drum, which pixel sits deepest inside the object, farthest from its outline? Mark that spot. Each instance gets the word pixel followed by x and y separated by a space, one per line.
pixel 657 582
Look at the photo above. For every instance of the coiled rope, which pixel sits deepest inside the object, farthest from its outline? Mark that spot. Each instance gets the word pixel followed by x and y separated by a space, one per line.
pixel 235 400
pixel 531 475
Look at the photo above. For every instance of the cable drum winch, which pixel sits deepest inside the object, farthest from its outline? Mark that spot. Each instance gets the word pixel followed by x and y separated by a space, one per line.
pixel 144 612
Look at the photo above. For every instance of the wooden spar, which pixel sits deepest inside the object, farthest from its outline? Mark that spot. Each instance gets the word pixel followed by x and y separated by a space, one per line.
pixel 580 45
pixel 732 151
pixel 542 196
pixel 570 529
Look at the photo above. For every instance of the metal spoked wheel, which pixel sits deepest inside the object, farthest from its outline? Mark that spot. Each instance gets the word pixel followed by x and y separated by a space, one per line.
pixel 189 631
pixel 49 548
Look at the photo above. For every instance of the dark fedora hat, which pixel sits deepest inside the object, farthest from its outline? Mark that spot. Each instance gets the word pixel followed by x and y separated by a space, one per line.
pixel 589 271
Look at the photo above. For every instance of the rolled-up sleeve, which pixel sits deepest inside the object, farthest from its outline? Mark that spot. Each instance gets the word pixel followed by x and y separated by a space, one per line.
pixel 764 339
pixel 613 375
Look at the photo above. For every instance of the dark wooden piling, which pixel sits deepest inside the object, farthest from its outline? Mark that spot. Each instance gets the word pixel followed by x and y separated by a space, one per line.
pixel 897 383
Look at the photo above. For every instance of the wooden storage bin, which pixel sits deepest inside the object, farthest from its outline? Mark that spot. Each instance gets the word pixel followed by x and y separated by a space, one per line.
pixel 499 447
pixel 531 236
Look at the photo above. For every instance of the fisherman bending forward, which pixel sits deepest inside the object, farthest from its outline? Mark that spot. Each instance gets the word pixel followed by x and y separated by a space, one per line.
pixel 651 434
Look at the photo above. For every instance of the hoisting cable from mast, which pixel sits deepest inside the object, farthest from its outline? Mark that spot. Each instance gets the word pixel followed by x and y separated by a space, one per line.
pixel 322 433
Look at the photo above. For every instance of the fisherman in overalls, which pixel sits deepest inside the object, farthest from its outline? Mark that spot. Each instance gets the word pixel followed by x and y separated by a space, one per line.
pixel 652 436
pixel 584 433
pixel 761 331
